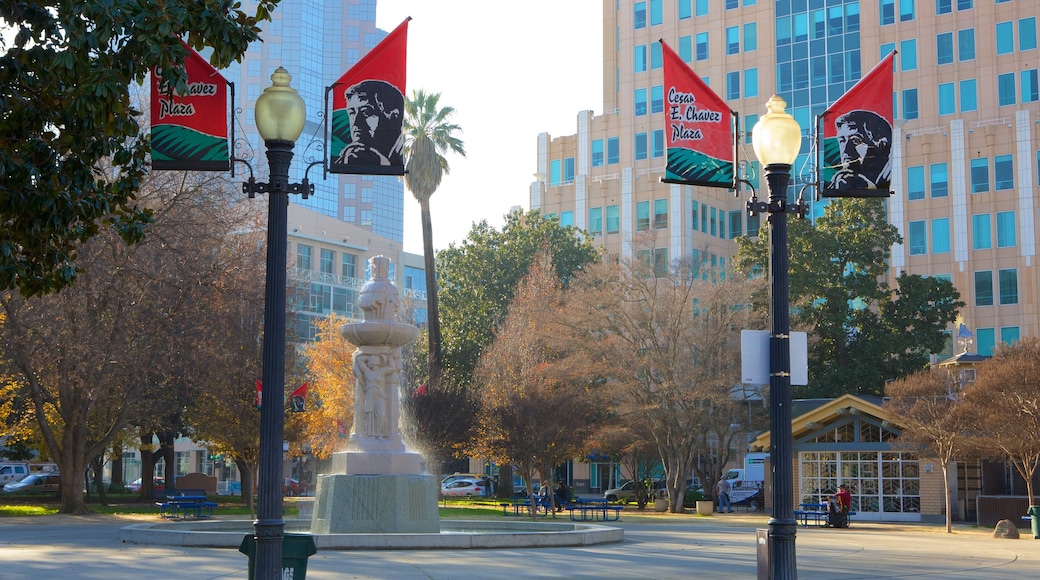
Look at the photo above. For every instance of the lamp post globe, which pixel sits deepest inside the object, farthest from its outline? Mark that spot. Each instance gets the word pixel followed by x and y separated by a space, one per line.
pixel 776 139
pixel 280 114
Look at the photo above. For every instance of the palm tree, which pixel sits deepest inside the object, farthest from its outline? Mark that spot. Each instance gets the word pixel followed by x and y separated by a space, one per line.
pixel 428 137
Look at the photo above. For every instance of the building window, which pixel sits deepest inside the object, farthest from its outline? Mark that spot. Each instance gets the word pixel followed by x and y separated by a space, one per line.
pixel 966 44
pixel 906 10
pixel 981 235
pixel 1003 172
pixel 751 83
pixel 660 262
pixel 969 99
pixel 1005 37
pixel 733 40
pixel 639 15
pixel 1006 89
pixel 702 7
pixel 944 48
pixel 940 183
pixel 984 341
pixel 965 4
pixel 642 216
pixel 325 261
pixel 686 48
pixel 366 217
pixel 568 170
pixel 887 12
pixel 640 145
pixel 349 264
pixel 750 36
pixel 1030 92
pixel 639 101
pixel 732 85
pixel 595 220
pixel 908 55
pixel 980 175
pixel 613 151
pixel 639 58
pixel 941 236
pixel 303 256
pixel 685 9
pixel 655 12
pixel 567 218
pixel 656 56
pixel 657 99
pixel 1007 281
pixel 657 143
pixel 947 99
pixel 1006 229
pixel 660 214
pixel 714 226
pixel 704 218
pixel 597 153
pixel 1027 33
pixel 915 182
pixel 943 6
pixel 555 172
pixel 917 238
pixel 984 288
pixel 1009 334
pixel 613 219
pixel 910 104
pixel 693 217
pixel 702 46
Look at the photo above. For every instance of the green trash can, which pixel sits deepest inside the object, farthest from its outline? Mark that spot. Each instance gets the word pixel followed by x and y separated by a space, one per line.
pixel 1034 513
pixel 296 548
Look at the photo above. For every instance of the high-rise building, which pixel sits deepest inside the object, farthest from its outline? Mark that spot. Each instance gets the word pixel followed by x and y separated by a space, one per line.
pixel 317 41
pixel 965 143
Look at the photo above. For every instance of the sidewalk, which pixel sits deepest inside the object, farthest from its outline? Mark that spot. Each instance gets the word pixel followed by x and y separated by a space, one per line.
pixel 655 546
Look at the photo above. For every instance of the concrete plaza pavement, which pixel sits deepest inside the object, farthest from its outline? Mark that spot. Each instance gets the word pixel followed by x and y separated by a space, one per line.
pixel 655 546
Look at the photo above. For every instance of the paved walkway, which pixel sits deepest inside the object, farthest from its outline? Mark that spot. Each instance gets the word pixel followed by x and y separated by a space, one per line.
pixel 664 546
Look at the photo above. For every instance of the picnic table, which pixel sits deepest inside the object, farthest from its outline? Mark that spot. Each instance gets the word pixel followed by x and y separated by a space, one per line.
pixel 817 514
pixel 593 509
pixel 521 506
pixel 184 503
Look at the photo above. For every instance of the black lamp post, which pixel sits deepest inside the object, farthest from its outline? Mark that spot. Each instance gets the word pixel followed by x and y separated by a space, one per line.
pixel 280 115
pixel 776 139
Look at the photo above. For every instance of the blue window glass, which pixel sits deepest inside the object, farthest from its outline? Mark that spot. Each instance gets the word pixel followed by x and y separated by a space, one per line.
pixel 915 182
pixel 660 214
pixel 969 98
pixel 980 175
pixel 642 216
pixel 965 4
pixel 1030 92
pixel 984 340
pixel 640 146
pixel 597 153
pixel 613 151
pixel 1006 236
pixel 656 56
pixel 657 143
pixel 639 102
pixel 1006 89
pixel 917 238
pixel 655 12
pixel 947 99
pixel 702 7
pixel 941 236
pixel 555 172
pixel 966 44
pixel 702 46
pixel 749 122
pixel 595 220
pixel 944 48
pixel 1003 172
pixel 685 9
pixel 639 58
pixel 906 10
pixel 1007 284
pixel 852 17
pixel 1027 33
pixel 943 6
pixel 694 221
pixel 984 288
pixel 887 12
pixel 657 99
pixel 731 4
pixel 751 83
pixel 568 170
pixel 639 15
pixel 750 36
pixel 732 85
pixel 1009 334
pixel 981 234
pixel 1005 37
pixel 783 31
pixel 939 180
pixel 566 218
pixel 613 219
pixel 686 48
pixel 910 104
pixel 908 54
pixel 887 48
pixel 733 40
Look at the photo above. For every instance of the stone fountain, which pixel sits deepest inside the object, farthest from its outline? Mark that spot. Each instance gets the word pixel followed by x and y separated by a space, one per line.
pixel 377 485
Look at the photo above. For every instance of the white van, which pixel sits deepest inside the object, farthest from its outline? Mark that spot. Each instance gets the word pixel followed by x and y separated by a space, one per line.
pixel 11 471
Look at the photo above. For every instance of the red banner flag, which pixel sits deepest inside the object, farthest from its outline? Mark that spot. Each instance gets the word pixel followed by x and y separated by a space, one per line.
pixel 191 131
pixel 698 128
pixel 259 394
pixel 341 429
pixel 298 399
pixel 368 110
pixel 857 137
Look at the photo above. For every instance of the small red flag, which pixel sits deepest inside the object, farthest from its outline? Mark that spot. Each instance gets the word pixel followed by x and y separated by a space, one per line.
pixel 298 399
pixel 341 429
pixel 259 394
pixel 421 390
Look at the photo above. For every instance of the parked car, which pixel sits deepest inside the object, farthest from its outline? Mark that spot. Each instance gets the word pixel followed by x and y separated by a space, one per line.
pixel 41 482
pixel 158 484
pixel 457 475
pixel 291 487
pixel 462 488
pixel 627 491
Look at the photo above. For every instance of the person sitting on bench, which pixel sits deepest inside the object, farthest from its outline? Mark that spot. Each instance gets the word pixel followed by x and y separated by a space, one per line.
pixel 838 508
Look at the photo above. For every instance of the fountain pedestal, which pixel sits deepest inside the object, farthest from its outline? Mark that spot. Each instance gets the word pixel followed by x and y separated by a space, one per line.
pixel 377 485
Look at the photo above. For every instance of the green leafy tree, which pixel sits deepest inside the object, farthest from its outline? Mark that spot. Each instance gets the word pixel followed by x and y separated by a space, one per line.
pixel 864 331
pixel 73 155
pixel 429 136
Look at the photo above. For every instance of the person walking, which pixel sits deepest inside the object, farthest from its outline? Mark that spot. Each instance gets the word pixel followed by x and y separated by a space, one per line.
pixel 722 489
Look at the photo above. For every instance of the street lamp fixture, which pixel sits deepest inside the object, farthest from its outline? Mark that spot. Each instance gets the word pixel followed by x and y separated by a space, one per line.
pixel 776 139
pixel 280 115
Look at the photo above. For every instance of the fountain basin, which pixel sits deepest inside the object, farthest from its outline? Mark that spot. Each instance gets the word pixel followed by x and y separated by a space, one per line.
pixel 454 535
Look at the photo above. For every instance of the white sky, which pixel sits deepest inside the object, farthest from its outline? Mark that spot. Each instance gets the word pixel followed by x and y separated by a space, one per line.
pixel 511 70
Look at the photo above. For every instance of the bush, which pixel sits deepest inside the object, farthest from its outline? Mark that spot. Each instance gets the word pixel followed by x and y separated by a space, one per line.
pixel 691 497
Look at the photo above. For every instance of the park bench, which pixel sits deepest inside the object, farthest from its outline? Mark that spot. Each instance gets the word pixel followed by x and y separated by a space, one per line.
pixel 182 503
pixel 816 513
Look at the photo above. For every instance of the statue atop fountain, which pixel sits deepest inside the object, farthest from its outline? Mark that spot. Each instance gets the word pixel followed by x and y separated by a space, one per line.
pixel 377 484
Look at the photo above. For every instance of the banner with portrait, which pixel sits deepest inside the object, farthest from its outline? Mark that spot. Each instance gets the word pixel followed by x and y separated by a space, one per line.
pixel 857 138
pixel 190 131
pixel 368 111
pixel 699 134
